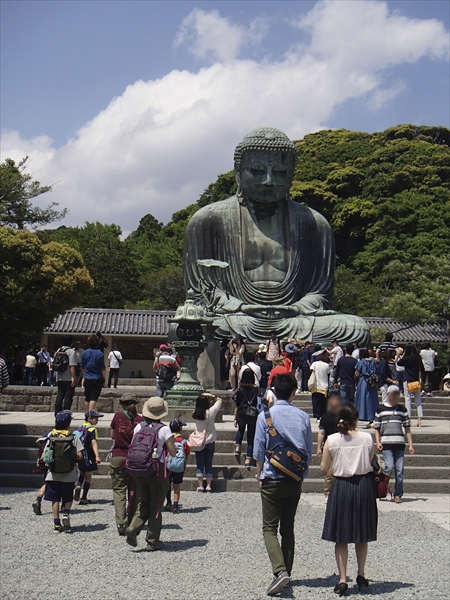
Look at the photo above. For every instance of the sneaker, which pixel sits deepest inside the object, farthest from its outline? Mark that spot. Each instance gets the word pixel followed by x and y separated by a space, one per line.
pixel 77 493
pixel 174 510
pixel 37 508
pixel 422 393
pixel 57 528
pixel 85 502
pixel 131 534
pixel 279 582
pixel 154 547
pixel 65 523
pixel 121 529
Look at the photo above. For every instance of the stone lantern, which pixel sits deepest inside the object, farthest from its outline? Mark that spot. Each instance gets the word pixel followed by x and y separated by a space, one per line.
pixel 188 320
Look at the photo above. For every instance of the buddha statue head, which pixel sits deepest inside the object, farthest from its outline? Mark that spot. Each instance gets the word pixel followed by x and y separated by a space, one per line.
pixel 264 164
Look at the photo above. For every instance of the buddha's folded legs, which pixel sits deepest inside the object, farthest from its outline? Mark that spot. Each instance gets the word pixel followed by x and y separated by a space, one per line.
pixel 319 330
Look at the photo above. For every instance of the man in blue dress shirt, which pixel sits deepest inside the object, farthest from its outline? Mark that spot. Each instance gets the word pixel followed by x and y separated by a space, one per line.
pixel 281 494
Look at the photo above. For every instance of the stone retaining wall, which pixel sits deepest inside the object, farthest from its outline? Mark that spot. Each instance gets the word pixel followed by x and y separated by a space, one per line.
pixel 42 399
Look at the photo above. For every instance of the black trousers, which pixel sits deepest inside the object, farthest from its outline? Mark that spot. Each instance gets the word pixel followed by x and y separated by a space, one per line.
pixel 319 403
pixel 113 374
pixel 306 372
pixel 64 397
pixel 42 373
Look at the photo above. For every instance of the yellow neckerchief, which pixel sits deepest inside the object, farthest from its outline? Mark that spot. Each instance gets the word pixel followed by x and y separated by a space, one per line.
pixel 63 432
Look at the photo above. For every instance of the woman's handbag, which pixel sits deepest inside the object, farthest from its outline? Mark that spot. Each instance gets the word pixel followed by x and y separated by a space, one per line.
pixel 380 480
pixel 312 381
pixel 414 386
pixel 197 441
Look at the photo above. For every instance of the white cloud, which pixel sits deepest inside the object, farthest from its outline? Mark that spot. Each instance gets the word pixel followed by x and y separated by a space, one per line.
pixel 157 146
pixel 209 36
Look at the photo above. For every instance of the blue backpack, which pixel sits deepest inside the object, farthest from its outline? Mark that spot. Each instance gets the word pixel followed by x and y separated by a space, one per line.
pixel 82 434
pixel 285 458
pixel 177 463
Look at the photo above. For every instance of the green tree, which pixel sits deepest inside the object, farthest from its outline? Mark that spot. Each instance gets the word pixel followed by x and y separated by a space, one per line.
pixel 38 282
pixel 115 275
pixel 17 189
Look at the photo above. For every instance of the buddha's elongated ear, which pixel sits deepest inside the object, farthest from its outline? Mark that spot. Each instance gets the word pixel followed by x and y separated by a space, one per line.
pixel 237 174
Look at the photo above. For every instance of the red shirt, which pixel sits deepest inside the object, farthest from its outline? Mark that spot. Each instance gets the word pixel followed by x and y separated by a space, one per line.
pixel 123 428
pixel 280 370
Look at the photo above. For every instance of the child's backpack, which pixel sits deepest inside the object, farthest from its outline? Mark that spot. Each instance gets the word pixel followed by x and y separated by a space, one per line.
pixel 60 453
pixel 60 361
pixel 82 434
pixel 142 459
pixel 177 463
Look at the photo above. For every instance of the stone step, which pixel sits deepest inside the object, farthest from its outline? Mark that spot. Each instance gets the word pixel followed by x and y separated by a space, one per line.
pixel 27 443
pixel 232 471
pixel 412 486
pixel 223 434
pixel 15 453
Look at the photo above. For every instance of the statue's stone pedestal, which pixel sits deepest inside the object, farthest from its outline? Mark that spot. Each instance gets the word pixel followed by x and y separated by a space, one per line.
pixel 208 366
pixel 187 389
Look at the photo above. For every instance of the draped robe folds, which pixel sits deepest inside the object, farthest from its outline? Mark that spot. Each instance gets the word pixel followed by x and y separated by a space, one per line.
pixel 216 232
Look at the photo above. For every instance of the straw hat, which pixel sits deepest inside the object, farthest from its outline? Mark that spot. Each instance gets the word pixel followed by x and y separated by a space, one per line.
pixel 156 408
pixel 262 348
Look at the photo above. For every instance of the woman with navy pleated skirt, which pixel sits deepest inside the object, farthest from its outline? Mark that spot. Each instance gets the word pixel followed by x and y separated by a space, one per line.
pixel 351 516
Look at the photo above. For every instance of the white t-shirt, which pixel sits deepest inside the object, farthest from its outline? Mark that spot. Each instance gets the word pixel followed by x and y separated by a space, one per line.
pixel 255 368
pixel 164 433
pixel 321 369
pixel 336 354
pixel 355 353
pixel 428 357
pixel 114 357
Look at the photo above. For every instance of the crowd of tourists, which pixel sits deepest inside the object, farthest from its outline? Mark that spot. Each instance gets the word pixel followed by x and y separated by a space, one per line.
pixel 359 374
pixel 43 368
pixel 148 460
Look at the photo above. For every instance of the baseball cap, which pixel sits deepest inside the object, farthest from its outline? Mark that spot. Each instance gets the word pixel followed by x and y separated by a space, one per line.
pixel 163 347
pixel 63 419
pixel 393 389
pixel 92 414
pixel 176 425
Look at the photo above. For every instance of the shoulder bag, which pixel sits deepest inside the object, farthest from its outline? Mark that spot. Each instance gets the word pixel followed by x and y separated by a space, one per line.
pixel 414 386
pixel 197 441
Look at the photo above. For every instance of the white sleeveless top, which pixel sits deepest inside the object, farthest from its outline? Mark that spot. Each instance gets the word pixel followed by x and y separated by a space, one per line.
pixel 350 453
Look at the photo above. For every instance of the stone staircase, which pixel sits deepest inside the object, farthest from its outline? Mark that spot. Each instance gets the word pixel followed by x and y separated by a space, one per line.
pixel 427 471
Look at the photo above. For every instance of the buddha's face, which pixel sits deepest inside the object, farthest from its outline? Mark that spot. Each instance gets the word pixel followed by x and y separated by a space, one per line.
pixel 266 176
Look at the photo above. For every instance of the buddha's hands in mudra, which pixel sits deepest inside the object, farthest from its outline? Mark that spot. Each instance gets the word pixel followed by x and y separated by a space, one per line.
pixel 270 312
pixel 309 306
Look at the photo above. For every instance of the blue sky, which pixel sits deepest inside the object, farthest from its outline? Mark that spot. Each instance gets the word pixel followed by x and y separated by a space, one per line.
pixel 135 107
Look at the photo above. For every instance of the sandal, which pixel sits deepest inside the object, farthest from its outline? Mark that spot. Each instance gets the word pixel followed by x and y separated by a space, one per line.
pixel 208 489
pixel 248 463
pixel 237 452
pixel 200 489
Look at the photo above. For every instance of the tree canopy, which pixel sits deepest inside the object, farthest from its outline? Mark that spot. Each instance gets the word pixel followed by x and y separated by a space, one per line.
pixel 38 281
pixel 17 189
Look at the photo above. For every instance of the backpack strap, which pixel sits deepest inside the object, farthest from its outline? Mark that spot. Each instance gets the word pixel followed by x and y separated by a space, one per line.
pixel 272 431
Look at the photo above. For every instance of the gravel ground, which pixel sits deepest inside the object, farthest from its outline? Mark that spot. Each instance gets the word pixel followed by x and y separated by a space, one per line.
pixel 214 550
